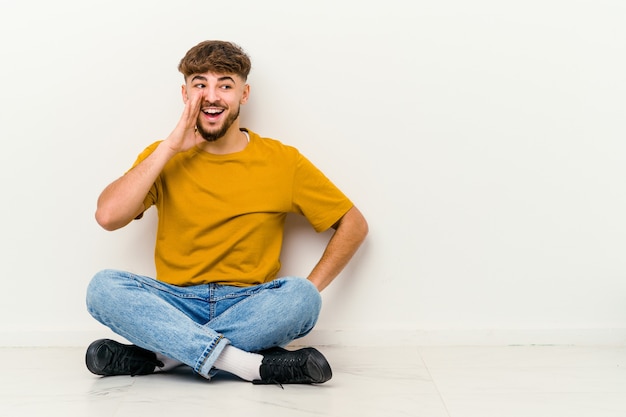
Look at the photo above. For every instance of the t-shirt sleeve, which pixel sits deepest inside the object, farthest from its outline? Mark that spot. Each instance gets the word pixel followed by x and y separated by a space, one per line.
pixel 151 197
pixel 316 197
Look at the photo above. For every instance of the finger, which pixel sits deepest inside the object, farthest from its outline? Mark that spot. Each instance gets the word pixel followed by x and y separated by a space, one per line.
pixel 197 99
pixel 190 113
pixel 195 103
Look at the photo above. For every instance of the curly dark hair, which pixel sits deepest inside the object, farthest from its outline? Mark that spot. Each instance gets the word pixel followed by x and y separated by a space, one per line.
pixel 216 56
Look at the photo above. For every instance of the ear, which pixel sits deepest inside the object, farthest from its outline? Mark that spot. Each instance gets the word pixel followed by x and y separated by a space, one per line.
pixel 245 95
pixel 184 93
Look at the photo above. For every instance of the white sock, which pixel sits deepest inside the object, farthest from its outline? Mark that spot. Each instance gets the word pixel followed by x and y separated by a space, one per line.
pixel 168 363
pixel 245 365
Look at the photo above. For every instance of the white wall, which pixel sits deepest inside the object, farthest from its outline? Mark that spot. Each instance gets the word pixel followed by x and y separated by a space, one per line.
pixel 484 141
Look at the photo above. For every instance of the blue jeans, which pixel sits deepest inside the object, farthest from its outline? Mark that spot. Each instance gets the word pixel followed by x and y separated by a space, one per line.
pixel 194 324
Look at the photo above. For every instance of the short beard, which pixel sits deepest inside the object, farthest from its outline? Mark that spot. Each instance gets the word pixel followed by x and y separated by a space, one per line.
pixel 213 136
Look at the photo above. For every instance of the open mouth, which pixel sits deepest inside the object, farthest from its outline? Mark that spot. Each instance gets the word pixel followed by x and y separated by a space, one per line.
pixel 212 112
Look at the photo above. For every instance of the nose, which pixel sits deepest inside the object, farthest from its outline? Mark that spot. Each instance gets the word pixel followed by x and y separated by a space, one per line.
pixel 210 95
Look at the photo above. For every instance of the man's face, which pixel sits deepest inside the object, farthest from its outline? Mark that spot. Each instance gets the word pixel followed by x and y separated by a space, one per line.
pixel 222 96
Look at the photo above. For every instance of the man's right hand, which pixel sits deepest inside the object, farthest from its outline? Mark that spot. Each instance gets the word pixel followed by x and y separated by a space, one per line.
pixel 184 136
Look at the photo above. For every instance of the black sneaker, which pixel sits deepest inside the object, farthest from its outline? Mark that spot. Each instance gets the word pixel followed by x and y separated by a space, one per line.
pixel 303 366
pixel 108 357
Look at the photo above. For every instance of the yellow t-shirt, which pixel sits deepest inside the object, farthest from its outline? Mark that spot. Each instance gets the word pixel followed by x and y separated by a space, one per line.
pixel 221 217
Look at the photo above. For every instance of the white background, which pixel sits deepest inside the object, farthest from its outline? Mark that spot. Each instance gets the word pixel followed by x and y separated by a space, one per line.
pixel 484 141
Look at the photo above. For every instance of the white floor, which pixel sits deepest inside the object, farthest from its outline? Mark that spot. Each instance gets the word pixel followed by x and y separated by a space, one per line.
pixel 514 381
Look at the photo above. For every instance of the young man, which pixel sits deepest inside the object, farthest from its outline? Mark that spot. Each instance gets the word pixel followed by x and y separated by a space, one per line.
pixel 222 194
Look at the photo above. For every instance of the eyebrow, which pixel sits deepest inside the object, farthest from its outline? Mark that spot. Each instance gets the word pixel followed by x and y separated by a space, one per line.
pixel 203 78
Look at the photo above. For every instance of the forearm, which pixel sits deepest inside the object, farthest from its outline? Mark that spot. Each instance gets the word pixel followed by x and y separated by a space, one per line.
pixel 350 233
pixel 122 200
